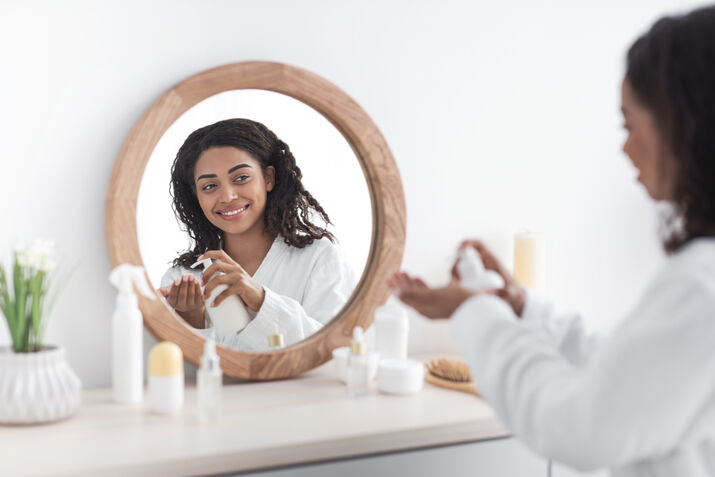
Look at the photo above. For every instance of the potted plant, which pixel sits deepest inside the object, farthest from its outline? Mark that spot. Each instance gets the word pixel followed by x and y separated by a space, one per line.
pixel 36 384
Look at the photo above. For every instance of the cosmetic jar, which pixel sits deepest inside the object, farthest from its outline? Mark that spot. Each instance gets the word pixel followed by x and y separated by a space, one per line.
pixel 400 376
pixel 391 330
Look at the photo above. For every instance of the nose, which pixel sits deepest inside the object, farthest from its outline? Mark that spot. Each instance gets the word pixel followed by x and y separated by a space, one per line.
pixel 228 194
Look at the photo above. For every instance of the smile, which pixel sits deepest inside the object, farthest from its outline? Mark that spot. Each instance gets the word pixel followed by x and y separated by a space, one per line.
pixel 229 214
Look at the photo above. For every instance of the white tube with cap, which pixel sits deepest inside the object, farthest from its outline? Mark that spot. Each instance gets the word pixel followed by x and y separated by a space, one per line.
pixel 231 315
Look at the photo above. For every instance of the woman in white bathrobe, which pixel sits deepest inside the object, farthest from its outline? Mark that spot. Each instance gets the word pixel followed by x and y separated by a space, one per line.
pixel 640 402
pixel 238 191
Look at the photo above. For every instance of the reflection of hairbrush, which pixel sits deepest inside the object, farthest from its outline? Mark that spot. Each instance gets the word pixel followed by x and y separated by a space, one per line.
pixel 450 374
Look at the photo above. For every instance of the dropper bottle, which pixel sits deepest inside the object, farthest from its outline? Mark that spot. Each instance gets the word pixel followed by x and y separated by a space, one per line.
pixel 275 341
pixel 358 376
pixel 209 382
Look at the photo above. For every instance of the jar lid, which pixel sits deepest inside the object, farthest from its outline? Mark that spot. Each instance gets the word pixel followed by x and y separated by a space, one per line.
pixel 166 359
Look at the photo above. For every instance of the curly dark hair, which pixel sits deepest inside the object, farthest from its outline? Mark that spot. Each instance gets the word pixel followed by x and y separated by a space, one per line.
pixel 288 206
pixel 671 69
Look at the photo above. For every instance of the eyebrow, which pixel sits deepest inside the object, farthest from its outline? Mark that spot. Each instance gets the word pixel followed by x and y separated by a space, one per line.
pixel 210 176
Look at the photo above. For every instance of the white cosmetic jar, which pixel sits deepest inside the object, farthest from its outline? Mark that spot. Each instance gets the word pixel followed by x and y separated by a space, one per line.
pixel 342 355
pixel 391 331
pixel 400 376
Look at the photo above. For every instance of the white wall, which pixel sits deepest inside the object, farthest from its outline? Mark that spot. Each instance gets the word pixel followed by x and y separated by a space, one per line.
pixel 499 114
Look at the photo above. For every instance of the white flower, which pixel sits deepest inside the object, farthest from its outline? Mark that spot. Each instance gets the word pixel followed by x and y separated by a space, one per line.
pixel 48 265
pixel 40 256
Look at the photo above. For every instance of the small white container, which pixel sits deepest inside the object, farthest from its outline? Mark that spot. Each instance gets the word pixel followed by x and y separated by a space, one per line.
pixel 400 376
pixel 391 329
pixel 341 356
pixel 166 378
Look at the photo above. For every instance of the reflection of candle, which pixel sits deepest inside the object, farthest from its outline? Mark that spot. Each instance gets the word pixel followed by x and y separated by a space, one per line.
pixel 529 259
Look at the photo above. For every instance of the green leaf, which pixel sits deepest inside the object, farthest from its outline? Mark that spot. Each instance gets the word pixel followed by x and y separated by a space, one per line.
pixel 36 307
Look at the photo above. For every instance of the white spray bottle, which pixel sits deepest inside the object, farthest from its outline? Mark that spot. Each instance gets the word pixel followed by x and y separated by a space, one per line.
pixel 231 315
pixel 472 273
pixel 127 352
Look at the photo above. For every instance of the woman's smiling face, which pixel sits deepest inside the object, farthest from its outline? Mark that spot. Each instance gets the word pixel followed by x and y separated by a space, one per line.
pixel 231 189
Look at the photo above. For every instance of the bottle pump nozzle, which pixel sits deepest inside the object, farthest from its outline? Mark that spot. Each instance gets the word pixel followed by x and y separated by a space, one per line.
pixel 126 275
pixel 206 262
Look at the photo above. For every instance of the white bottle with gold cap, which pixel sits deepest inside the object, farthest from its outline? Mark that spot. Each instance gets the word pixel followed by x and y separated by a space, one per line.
pixel 166 378
pixel 358 372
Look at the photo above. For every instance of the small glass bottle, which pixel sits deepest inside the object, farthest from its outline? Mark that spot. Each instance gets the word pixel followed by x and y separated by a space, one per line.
pixel 209 382
pixel 275 341
pixel 358 376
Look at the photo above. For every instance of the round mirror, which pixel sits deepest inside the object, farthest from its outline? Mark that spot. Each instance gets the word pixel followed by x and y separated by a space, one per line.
pixel 345 165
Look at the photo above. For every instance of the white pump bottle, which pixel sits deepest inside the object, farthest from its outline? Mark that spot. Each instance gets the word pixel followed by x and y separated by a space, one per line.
pixel 472 273
pixel 231 315
pixel 127 352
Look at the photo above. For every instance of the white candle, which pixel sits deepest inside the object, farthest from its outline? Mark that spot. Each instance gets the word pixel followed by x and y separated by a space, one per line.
pixel 529 259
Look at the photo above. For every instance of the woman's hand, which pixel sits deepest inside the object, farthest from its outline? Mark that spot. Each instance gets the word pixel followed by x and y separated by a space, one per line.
pixel 184 296
pixel 513 293
pixel 430 302
pixel 239 282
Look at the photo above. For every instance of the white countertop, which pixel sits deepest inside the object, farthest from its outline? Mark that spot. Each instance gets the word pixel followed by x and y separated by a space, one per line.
pixel 268 424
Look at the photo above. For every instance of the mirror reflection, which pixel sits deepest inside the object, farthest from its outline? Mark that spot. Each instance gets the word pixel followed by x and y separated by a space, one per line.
pixel 266 227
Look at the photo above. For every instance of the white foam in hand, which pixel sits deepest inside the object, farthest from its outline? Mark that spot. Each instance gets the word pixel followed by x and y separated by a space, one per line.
pixel 472 273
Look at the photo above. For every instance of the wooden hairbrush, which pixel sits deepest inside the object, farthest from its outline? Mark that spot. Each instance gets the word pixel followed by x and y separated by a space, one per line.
pixel 451 374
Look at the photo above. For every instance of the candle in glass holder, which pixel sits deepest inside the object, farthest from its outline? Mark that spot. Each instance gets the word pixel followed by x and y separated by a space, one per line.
pixel 529 259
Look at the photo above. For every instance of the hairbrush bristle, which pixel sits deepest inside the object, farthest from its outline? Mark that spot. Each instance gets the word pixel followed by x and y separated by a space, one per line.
pixel 450 369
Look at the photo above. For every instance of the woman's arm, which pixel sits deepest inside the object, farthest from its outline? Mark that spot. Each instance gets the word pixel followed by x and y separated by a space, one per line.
pixel 633 400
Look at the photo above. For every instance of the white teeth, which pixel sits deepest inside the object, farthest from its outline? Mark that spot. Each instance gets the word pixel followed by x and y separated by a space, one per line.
pixel 233 212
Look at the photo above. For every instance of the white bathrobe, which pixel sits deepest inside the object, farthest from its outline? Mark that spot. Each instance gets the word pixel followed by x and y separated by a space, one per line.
pixel 640 402
pixel 305 288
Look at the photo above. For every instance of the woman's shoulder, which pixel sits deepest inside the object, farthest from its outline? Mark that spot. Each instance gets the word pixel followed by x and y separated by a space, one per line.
pixel 693 263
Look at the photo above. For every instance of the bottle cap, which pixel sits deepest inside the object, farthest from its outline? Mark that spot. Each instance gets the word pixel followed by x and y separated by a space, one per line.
pixel 358 346
pixel 275 341
pixel 166 359
pixel 210 360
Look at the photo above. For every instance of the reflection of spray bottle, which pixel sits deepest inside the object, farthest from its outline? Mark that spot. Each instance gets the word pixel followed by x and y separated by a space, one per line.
pixel 472 273
pixel 231 315
pixel 127 354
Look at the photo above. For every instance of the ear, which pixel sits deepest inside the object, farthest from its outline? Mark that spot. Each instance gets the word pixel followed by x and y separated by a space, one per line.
pixel 270 177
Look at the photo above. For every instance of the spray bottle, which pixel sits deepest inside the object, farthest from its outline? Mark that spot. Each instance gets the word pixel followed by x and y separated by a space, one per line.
pixel 127 353
pixel 472 273
pixel 231 315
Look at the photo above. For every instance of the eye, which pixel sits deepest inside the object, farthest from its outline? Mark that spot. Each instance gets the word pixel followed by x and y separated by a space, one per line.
pixel 208 187
pixel 241 178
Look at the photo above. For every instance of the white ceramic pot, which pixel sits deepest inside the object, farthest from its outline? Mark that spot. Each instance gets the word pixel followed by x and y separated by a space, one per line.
pixel 37 387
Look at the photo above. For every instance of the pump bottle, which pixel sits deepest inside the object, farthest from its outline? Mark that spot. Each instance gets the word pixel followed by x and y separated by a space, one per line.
pixel 209 381
pixel 231 315
pixel 358 370
pixel 472 273
pixel 127 353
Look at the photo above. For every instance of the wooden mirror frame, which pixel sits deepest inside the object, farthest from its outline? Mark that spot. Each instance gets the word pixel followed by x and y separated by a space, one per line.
pixel 378 165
